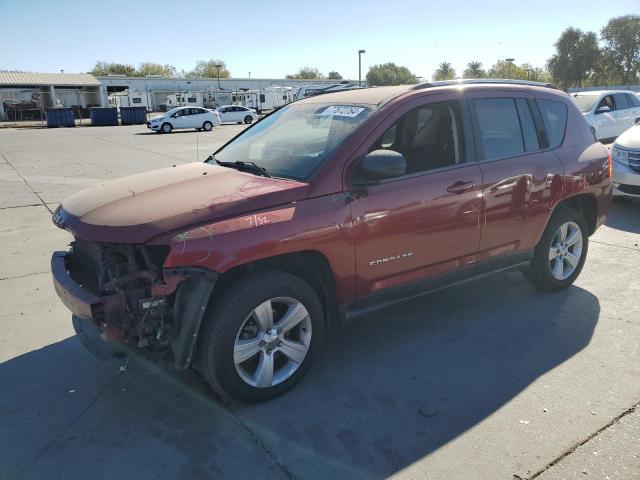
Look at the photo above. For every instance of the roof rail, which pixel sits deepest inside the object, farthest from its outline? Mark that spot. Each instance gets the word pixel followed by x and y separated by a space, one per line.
pixel 466 81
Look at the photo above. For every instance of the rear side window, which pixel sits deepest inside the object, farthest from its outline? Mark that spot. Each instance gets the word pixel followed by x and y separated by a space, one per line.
pixel 634 101
pixel 529 133
pixel 499 125
pixel 554 117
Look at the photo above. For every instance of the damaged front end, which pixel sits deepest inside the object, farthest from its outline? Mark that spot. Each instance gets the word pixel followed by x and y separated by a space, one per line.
pixel 127 296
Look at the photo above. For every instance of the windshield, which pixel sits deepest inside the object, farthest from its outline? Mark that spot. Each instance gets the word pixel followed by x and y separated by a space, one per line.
pixel 584 102
pixel 295 140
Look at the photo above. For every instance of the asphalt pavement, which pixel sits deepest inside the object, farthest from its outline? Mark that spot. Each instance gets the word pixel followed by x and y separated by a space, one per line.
pixel 490 380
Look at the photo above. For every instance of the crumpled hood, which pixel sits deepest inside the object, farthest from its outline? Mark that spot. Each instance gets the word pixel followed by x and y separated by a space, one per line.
pixel 137 208
pixel 630 138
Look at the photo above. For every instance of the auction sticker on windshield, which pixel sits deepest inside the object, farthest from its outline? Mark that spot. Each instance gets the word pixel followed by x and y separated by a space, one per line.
pixel 342 111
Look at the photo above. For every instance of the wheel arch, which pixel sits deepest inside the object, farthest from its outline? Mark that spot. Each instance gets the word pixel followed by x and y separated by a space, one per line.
pixel 309 265
pixel 584 203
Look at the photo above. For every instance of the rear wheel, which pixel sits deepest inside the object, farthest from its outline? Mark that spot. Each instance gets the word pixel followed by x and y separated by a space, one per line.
pixel 207 126
pixel 561 252
pixel 262 336
pixel 166 128
pixel 248 119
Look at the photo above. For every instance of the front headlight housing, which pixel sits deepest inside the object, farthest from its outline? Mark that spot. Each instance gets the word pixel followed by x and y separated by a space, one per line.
pixel 620 156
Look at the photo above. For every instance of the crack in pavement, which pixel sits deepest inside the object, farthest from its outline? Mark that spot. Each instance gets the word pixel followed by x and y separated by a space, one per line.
pixel 615 245
pixel 260 443
pixel 136 148
pixel 25 275
pixel 582 442
pixel 25 182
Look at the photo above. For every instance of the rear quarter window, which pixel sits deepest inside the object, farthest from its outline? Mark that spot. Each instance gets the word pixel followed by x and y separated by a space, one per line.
pixel 554 117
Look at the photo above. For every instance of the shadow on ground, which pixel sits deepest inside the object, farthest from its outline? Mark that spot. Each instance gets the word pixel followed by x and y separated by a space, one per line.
pixel 387 391
pixel 625 215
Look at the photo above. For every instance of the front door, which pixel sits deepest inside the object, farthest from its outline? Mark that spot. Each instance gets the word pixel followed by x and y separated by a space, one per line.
pixel 413 227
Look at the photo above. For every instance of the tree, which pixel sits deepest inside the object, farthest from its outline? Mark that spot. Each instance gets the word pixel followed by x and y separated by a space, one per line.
pixel 148 68
pixel 389 74
pixel 102 69
pixel 333 75
pixel 306 73
pixel 621 36
pixel 576 58
pixel 444 72
pixel 474 70
pixel 207 69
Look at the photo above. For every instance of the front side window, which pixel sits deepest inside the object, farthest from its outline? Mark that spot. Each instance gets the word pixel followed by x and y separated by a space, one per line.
pixel 499 127
pixel 554 117
pixel 428 137
pixel 606 101
pixel 295 140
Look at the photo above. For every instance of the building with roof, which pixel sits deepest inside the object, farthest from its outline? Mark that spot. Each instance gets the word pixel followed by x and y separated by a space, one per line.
pixel 25 95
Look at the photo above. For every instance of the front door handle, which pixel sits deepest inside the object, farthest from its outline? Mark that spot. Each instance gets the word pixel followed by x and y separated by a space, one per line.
pixel 460 187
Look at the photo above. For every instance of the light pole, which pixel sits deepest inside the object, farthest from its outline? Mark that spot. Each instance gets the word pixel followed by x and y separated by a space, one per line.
pixel 509 60
pixel 360 52
pixel 218 67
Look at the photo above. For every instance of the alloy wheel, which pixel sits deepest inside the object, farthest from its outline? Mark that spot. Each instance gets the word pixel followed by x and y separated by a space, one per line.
pixel 272 342
pixel 565 251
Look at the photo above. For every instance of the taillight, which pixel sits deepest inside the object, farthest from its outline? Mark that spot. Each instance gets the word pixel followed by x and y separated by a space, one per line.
pixel 610 165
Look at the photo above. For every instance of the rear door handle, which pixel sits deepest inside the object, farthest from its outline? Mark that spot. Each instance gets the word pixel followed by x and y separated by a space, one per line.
pixel 460 187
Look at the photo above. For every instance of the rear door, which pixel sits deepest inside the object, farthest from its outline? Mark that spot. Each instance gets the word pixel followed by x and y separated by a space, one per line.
pixel 414 227
pixel 622 114
pixel 522 176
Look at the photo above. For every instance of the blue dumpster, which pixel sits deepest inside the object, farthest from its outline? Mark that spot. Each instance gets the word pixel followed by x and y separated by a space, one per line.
pixel 60 117
pixel 104 116
pixel 133 115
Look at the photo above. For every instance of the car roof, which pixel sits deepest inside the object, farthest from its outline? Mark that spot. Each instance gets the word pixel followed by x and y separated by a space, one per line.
pixel 377 96
pixel 599 92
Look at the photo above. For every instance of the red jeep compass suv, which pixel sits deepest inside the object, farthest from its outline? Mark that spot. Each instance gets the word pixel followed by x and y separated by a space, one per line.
pixel 325 209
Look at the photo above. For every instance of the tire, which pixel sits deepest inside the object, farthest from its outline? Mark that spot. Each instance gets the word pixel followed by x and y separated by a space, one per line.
pixel 235 374
pixel 557 263
pixel 248 119
pixel 207 126
pixel 166 127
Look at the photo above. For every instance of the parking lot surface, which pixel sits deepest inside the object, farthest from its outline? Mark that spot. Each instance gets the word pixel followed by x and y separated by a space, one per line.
pixel 489 380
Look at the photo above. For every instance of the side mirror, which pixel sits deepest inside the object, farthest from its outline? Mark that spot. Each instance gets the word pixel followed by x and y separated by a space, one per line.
pixel 603 109
pixel 377 166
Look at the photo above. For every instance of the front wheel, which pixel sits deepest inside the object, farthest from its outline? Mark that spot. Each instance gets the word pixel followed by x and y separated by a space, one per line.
pixel 261 337
pixel 248 119
pixel 166 128
pixel 207 126
pixel 560 254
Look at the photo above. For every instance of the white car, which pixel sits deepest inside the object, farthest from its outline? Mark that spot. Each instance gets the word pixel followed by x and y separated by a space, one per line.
pixel 237 114
pixel 626 163
pixel 608 112
pixel 185 117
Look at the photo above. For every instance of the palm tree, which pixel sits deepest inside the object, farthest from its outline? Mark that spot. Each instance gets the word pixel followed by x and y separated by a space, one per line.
pixel 474 70
pixel 444 72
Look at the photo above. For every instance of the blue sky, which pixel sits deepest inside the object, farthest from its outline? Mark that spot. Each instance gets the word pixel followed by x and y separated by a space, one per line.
pixel 270 38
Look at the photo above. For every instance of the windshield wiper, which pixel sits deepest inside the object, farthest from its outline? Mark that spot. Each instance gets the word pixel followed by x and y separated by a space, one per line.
pixel 244 167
